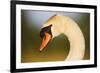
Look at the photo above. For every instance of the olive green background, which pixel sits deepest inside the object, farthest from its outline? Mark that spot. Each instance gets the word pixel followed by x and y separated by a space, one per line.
pixel 58 48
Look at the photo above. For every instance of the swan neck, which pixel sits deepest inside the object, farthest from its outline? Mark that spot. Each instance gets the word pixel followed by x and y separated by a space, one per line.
pixel 77 43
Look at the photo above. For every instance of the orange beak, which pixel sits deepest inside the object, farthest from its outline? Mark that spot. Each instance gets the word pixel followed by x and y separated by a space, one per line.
pixel 45 41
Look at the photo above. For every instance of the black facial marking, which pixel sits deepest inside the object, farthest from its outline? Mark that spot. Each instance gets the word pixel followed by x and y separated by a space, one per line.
pixel 45 29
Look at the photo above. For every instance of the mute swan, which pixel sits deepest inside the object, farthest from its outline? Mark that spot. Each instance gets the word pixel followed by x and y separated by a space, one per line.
pixel 58 24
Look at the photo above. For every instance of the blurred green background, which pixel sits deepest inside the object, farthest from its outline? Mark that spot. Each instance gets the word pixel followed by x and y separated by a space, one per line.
pixel 58 48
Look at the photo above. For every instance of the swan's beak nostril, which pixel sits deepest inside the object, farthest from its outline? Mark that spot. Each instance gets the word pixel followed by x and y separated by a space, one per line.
pixel 45 41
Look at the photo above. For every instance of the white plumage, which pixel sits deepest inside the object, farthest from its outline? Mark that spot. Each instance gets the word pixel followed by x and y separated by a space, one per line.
pixel 66 25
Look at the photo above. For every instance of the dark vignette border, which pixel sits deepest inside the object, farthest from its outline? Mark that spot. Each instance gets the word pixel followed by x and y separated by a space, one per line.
pixel 13 35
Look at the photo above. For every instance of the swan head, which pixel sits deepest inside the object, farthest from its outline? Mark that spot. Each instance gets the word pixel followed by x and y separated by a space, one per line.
pixel 51 29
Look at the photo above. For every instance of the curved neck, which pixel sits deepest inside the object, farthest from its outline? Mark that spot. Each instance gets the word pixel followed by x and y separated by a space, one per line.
pixel 77 42
pixel 64 24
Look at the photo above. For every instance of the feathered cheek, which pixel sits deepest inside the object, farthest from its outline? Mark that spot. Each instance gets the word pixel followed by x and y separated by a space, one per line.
pixel 55 32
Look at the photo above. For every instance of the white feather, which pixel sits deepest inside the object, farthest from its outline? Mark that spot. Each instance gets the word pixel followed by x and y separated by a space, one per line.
pixel 66 25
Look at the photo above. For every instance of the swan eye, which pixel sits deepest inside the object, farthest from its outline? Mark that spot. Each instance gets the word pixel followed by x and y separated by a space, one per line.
pixel 46 29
